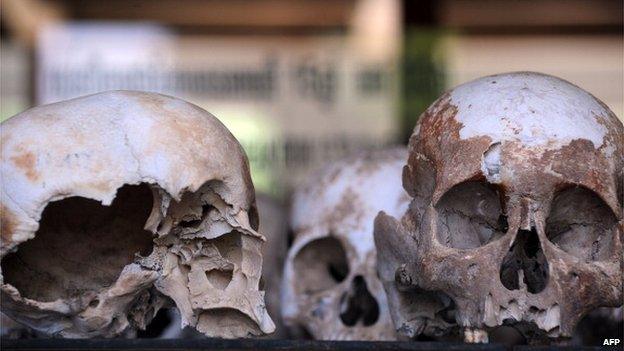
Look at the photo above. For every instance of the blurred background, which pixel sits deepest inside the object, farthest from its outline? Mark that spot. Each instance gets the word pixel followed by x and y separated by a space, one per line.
pixel 304 82
pixel 301 82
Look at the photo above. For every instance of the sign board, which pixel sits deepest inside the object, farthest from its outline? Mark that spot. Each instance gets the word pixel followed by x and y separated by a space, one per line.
pixel 293 102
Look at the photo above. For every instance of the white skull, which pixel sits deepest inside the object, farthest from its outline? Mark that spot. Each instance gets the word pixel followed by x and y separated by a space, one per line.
pixel 331 289
pixel 119 203
pixel 516 214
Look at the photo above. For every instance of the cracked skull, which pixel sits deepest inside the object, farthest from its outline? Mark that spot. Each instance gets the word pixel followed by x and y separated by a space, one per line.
pixel 516 213
pixel 331 290
pixel 117 204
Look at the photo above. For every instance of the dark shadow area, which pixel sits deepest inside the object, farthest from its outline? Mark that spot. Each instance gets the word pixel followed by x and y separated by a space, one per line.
pixel 324 263
pixel 81 245
pixel 360 304
pixel 525 255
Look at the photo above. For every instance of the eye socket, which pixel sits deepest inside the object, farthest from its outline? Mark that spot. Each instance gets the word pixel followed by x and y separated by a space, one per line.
pixel 192 223
pixel 320 264
pixel 470 216
pixel 581 224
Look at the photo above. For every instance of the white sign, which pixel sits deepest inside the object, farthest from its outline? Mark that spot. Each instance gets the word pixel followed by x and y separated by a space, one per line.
pixel 293 102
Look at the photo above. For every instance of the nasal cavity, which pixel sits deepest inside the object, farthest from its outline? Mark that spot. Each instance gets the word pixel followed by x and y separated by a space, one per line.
pixel 357 304
pixel 525 259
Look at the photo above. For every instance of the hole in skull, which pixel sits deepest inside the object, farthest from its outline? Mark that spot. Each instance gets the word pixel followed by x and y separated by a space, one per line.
pixel 502 223
pixel 447 313
pixel 160 226
pixel 338 271
pixel 526 256
pixel 219 279
pixel 230 247
pixel 322 264
pixel 162 320
pixel 262 283
pixel 81 245
pixel 507 334
pixel 358 304
pixel 470 216
pixel 206 209
pixel 581 224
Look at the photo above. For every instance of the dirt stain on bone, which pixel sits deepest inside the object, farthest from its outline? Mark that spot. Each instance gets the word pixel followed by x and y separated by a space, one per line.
pixel 7 224
pixel 26 162
pixel 346 209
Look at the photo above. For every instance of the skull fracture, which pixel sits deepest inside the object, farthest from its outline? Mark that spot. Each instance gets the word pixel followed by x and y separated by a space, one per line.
pixel 117 204
pixel 331 289
pixel 516 213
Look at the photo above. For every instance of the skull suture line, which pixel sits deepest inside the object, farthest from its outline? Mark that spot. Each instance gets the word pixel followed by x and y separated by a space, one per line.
pixel 176 222
pixel 331 289
pixel 516 213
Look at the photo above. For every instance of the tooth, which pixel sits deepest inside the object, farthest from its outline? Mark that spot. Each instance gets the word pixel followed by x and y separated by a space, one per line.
pixel 475 336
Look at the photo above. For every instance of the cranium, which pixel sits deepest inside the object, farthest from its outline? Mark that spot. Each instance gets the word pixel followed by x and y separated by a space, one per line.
pixel 116 204
pixel 331 289
pixel 516 213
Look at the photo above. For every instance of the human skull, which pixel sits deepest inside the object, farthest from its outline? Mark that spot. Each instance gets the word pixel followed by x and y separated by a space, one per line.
pixel 516 213
pixel 331 289
pixel 114 205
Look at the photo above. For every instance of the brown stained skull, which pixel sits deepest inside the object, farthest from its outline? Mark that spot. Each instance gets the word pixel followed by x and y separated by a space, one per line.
pixel 516 214
pixel 119 203
pixel 331 289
